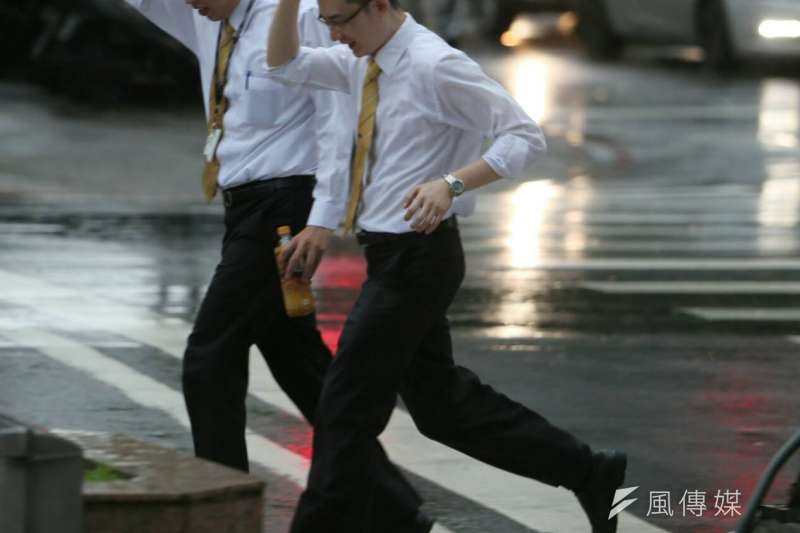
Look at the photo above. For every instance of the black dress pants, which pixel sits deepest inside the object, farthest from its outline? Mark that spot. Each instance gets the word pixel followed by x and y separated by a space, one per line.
pixel 397 340
pixel 244 306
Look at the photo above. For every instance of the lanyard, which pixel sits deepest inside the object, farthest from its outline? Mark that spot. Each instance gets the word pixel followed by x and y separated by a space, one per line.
pixel 219 84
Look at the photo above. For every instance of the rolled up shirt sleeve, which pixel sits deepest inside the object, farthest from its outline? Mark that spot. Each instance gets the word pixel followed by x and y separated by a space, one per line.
pixel 334 142
pixel 175 18
pixel 467 98
pixel 333 137
pixel 317 68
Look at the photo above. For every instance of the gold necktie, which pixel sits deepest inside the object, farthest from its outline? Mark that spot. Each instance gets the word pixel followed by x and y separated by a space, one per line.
pixel 216 109
pixel 366 128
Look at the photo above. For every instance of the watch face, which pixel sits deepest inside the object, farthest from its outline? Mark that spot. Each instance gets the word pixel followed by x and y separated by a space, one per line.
pixel 455 184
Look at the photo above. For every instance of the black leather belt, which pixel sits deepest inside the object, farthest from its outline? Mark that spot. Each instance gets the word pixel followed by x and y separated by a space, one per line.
pixel 368 238
pixel 255 189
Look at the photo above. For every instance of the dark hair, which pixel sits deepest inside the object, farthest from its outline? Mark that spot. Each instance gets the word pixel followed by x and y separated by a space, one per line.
pixel 395 3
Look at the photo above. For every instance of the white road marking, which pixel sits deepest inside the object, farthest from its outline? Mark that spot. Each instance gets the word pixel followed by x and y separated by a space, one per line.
pixel 694 287
pixel 110 344
pixel 535 505
pixel 711 313
pixel 589 217
pixel 27 228
pixel 554 245
pixel 749 314
pixel 678 264
pixel 668 114
pixel 554 229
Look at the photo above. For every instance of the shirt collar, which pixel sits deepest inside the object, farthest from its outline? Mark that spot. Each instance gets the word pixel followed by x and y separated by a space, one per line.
pixel 237 16
pixel 388 56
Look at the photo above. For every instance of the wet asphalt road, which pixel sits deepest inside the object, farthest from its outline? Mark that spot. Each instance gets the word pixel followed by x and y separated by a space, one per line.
pixel 639 287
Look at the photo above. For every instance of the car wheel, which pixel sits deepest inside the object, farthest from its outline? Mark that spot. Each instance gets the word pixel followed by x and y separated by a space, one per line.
pixel 715 38
pixel 594 30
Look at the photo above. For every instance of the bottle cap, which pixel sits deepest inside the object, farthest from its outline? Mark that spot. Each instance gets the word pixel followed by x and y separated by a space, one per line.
pixel 285 231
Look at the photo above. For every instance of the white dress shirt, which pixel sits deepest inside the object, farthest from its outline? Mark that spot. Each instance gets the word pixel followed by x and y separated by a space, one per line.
pixel 270 130
pixel 436 111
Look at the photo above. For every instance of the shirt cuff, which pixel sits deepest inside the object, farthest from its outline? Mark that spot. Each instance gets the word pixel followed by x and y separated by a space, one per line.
pixel 325 213
pixel 510 156
pixel 498 154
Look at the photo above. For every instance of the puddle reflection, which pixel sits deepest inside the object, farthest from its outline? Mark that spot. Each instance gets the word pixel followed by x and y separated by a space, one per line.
pixel 779 115
pixel 529 209
pixel 779 131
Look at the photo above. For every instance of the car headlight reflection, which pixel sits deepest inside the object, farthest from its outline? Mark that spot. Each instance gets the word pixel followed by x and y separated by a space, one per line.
pixel 779 29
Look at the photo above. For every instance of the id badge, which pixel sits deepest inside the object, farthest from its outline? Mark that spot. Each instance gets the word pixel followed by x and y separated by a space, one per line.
pixel 211 144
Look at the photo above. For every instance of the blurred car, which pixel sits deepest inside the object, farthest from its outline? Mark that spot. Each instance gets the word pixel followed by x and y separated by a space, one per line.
pixel 507 10
pixel 95 49
pixel 728 30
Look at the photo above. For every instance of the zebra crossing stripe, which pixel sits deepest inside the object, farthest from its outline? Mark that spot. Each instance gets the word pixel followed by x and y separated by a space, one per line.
pixel 694 287
pixel 676 264
pixel 712 288
pixel 749 314
pixel 555 245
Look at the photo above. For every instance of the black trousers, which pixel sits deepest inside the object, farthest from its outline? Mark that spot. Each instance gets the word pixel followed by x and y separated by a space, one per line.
pixel 397 340
pixel 244 306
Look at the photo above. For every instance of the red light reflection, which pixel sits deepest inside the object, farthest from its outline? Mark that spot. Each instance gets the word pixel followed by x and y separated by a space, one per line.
pixel 337 282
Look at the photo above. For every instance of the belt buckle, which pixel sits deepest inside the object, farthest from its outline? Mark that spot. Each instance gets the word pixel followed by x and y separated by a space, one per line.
pixel 227 198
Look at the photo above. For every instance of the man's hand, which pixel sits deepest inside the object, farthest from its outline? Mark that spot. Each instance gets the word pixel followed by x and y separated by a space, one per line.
pixel 427 204
pixel 304 252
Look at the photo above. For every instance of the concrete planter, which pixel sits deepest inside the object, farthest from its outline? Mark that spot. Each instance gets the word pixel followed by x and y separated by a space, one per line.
pixel 167 492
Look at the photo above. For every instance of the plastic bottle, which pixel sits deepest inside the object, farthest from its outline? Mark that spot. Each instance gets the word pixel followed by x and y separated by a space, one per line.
pixel 297 296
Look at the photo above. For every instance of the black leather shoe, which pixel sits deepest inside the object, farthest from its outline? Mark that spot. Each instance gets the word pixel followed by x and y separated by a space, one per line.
pixel 608 474
pixel 419 523
pixel 424 523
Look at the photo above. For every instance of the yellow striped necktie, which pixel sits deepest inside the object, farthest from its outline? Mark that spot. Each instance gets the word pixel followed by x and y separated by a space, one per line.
pixel 217 109
pixel 366 129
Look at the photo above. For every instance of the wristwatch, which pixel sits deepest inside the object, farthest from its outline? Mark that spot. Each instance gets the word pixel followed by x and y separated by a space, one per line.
pixel 455 184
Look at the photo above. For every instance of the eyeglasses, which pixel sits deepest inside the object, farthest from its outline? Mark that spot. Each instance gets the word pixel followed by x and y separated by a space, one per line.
pixel 338 23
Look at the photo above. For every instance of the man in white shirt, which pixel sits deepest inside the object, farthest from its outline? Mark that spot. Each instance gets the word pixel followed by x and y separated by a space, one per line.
pixel 425 111
pixel 262 156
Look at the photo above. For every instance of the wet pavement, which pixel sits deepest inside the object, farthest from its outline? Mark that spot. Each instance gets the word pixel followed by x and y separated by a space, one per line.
pixel 639 287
